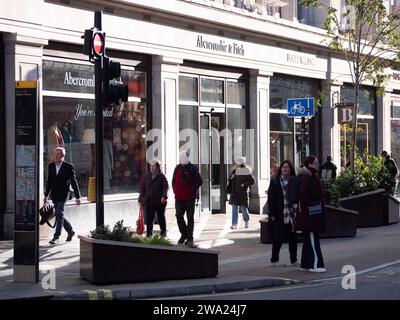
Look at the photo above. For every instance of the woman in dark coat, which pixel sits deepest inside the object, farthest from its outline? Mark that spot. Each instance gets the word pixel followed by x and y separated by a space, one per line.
pixel 240 180
pixel 310 194
pixel 282 213
pixel 153 197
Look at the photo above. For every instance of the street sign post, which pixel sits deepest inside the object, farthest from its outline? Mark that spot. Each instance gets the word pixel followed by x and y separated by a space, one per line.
pixel 302 107
pixel 26 226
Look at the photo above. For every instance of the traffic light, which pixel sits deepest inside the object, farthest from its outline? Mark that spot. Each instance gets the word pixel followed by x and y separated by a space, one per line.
pixel 113 92
pixel 88 42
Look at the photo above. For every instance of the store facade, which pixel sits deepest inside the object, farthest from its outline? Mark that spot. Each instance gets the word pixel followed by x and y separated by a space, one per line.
pixel 216 91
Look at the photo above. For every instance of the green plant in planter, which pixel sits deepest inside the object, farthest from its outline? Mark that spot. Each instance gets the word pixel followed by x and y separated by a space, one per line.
pixel 101 233
pixel 157 240
pixel 369 174
pixel 122 233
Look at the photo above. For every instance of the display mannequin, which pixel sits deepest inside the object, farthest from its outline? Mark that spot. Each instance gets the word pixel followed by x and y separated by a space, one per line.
pixel 54 140
pixel 66 132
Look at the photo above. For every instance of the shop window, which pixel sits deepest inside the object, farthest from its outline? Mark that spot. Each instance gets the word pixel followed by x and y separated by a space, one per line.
pixel 283 88
pixel 236 92
pixel 125 156
pixel 395 132
pixel 365 139
pixel 366 103
pixel 281 140
pixel 188 89
pixel 69 122
pixel 285 137
pixel 212 90
pixel 189 131
pixel 236 123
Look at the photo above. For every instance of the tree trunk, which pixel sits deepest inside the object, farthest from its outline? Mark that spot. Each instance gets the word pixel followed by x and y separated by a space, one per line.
pixel 354 136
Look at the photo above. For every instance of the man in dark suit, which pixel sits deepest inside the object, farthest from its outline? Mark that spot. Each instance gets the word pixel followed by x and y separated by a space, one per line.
pixel 60 177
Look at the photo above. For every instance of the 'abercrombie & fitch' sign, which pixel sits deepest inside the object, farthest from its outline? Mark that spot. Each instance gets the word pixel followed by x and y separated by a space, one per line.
pixel 220 46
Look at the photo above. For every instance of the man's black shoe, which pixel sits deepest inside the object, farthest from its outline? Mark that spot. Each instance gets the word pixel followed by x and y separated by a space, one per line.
pixel 53 241
pixel 181 240
pixel 190 244
pixel 70 235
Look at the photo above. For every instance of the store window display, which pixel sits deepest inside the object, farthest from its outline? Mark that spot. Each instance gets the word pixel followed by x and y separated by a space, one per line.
pixel 69 122
pixel 285 133
pixel 366 123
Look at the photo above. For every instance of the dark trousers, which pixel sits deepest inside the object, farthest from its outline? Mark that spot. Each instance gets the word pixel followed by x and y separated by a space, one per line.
pixel 276 247
pixel 181 207
pixel 311 255
pixel 60 220
pixel 150 214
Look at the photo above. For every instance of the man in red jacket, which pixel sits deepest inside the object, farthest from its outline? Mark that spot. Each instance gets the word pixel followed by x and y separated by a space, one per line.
pixel 186 181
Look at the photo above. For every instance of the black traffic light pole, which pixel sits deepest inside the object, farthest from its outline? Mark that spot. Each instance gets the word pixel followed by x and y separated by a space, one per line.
pixel 105 93
pixel 99 97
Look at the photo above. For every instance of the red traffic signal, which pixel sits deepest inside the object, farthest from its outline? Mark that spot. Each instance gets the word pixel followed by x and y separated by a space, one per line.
pixel 98 43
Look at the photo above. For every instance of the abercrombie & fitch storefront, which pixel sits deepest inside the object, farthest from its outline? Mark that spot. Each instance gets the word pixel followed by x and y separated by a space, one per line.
pixel 212 99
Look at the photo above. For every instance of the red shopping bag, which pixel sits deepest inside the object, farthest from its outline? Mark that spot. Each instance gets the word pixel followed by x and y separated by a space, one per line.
pixel 140 222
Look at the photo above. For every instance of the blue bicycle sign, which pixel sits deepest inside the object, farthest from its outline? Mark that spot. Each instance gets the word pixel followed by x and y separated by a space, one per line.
pixel 303 107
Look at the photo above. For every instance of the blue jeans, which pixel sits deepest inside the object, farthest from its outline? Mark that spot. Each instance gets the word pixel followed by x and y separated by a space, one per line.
pixel 60 220
pixel 235 210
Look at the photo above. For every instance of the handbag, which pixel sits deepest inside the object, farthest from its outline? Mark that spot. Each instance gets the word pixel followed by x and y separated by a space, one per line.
pixel 265 208
pixel 140 222
pixel 228 189
pixel 315 209
pixel 47 213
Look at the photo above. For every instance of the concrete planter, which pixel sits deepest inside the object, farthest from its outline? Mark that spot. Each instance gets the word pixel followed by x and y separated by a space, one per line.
pixel 339 222
pixel 107 262
pixel 375 208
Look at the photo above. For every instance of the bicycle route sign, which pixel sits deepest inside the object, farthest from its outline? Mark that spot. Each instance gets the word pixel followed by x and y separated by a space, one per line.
pixel 303 107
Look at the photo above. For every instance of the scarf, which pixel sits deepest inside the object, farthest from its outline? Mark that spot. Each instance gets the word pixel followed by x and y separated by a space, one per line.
pixel 155 175
pixel 185 170
pixel 288 209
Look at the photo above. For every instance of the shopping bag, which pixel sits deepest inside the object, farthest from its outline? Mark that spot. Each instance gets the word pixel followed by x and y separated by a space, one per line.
pixel 140 222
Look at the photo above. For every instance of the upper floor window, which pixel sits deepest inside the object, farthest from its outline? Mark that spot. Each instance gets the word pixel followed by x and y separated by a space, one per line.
pixel 311 16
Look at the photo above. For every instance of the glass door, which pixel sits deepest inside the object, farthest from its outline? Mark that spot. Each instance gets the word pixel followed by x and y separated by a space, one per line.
pixel 205 153
pixel 212 164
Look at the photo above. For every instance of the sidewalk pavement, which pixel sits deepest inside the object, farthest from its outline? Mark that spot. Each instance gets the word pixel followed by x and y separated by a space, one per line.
pixel 243 263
